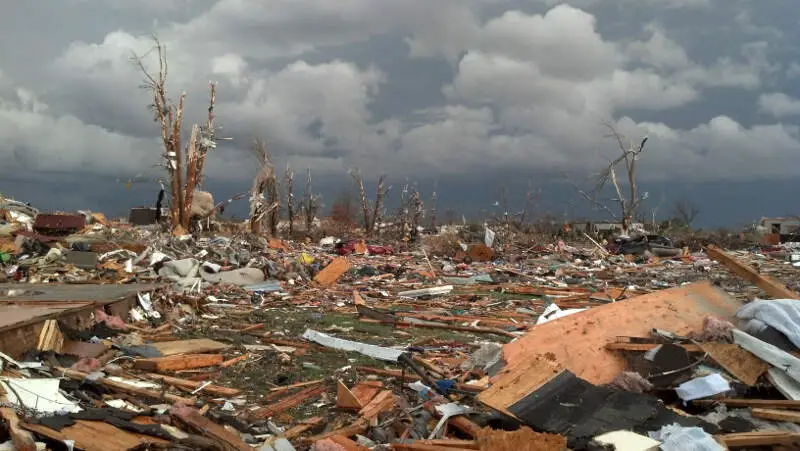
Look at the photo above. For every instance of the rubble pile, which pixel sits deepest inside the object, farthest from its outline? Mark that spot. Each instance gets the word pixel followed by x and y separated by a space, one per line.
pixel 239 341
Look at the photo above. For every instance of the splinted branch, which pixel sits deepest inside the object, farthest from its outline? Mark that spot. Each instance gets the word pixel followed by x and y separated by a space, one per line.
pixel 289 177
pixel 356 174
pixel 628 205
pixel 310 204
pixel 170 117
pixel 371 218
pixel 264 181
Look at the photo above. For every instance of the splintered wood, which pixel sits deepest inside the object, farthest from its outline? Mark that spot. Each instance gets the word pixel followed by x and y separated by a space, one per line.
pixel 331 273
pixel 740 363
pixel 50 338
pixel 357 397
pixel 195 346
pixel 86 434
pixel 578 342
pixel 770 286
pixel 179 362
pixel 510 386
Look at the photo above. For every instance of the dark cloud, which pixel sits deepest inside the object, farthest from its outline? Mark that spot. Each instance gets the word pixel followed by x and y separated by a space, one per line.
pixel 472 94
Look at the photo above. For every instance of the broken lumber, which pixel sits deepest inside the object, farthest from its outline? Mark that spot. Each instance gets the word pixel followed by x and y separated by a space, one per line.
pixel 297 385
pixel 227 440
pixel 195 346
pixel 460 422
pixel 178 362
pixel 331 273
pixel 20 438
pixel 234 360
pixel 644 347
pixel 194 385
pixel 583 336
pixel 738 362
pixel 777 415
pixel 741 402
pixel 764 438
pixel 769 285
pixel 288 402
pixel 413 377
pixel 50 337
pixel 125 388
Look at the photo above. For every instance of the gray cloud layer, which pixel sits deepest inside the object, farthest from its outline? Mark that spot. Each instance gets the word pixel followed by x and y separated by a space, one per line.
pixel 419 89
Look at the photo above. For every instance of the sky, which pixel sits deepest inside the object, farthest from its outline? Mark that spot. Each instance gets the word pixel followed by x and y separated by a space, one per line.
pixel 468 96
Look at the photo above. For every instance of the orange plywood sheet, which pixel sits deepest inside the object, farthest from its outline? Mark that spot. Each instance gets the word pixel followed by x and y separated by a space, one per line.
pixel 577 342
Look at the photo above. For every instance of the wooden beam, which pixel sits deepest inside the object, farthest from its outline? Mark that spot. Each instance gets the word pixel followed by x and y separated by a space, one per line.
pixel 125 388
pixel 769 285
pixel 777 415
pixel 765 438
pixel 762 403
pixel 194 385
pixel 178 362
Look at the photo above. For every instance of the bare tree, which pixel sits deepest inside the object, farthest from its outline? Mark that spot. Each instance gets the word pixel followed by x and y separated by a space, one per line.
pixel 310 204
pixel 170 116
pixel 630 201
pixel 290 198
pixel 371 218
pixel 686 212
pixel 434 202
pixel 263 182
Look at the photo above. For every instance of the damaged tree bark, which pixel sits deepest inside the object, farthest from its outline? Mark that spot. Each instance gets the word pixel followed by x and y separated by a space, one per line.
pixel 170 117
pixel 371 218
pixel 290 198
pixel 264 181
pixel 310 204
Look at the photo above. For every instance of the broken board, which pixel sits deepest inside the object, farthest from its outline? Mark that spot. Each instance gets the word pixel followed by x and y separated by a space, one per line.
pixel 331 273
pixel 86 434
pixel 577 342
pixel 195 346
pixel 738 362
pixel 50 337
pixel 178 362
pixel 509 386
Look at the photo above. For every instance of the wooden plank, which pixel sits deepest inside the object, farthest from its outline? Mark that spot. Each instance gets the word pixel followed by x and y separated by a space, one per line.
pixel 21 439
pixel 511 385
pixel 50 338
pixel 577 342
pixel 644 347
pixel 777 415
pixel 178 362
pixel 346 443
pixel 195 346
pixel 227 440
pixel 345 399
pixel 123 387
pixel 765 438
pixel 331 273
pixel 763 403
pixel 738 362
pixel 86 434
pixel 769 285
pixel 194 385
pixel 288 402
pixel 234 360
pixel 297 385
pixel 385 400
pixel 365 391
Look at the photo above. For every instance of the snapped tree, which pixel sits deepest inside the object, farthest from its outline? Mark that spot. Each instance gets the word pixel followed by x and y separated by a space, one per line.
pixel 627 197
pixel 169 115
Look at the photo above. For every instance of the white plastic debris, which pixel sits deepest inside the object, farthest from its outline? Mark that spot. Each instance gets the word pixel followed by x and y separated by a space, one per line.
pixel 678 438
pixel 703 387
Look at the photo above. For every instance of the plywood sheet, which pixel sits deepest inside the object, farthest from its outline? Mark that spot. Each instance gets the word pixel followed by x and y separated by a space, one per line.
pixel 87 433
pixel 738 362
pixel 331 273
pixel 578 341
pixel 195 346
pixel 511 385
